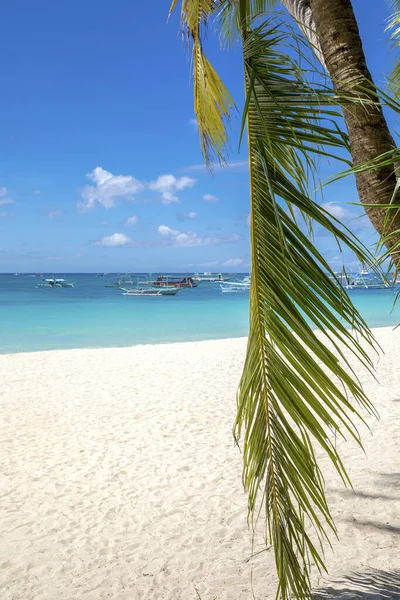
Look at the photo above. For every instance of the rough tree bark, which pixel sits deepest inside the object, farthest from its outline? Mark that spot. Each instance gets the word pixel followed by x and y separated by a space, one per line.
pixel 302 13
pixel 338 39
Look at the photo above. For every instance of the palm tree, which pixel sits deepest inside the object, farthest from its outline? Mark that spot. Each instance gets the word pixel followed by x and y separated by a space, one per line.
pixel 332 28
pixel 288 398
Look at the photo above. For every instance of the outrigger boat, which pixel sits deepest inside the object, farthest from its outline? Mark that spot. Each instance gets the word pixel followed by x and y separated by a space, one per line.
pixel 366 280
pixel 119 283
pixel 173 282
pixel 235 286
pixel 207 276
pixel 51 283
pixel 150 291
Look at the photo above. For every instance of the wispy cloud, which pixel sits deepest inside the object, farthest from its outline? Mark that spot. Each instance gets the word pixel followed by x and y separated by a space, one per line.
pixel 4 198
pixel 236 165
pixel 52 214
pixel 168 185
pixel 355 221
pixel 114 240
pixel 210 198
pixel 182 239
pixel 107 189
pixel 337 211
pixel 182 216
pixel 130 221
pixel 4 214
pixel 233 262
pixel 211 263
pixel 193 123
pixel 4 201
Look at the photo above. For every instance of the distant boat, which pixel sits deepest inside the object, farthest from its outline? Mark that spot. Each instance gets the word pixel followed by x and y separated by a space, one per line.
pixel 51 283
pixel 151 291
pixel 119 283
pixel 235 286
pixel 174 281
pixel 366 280
pixel 208 276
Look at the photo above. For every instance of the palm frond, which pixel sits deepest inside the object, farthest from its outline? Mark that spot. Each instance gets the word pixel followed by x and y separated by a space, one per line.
pixel 297 387
pixel 230 14
pixel 394 28
pixel 212 101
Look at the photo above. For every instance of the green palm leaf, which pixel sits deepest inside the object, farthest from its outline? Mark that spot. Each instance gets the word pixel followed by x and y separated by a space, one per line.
pixel 288 395
pixel 394 29
pixel 297 387
pixel 212 101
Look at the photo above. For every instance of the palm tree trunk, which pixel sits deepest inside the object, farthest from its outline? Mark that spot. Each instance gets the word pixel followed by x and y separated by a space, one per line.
pixel 302 13
pixel 340 43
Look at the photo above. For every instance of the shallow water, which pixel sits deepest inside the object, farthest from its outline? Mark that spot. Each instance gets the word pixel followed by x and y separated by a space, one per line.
pixel 92 315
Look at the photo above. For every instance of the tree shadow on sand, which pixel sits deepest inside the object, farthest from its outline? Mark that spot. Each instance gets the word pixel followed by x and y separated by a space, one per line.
pixel 374 526
pixel 372 584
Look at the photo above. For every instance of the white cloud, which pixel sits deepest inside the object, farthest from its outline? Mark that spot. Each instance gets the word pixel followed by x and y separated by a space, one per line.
pixel 211 263
pixel 4 214
pixel 77 255
pixel 193 123
pixel 4 201
pixel 186 216
pixel 131 221
pixel 210 198
pixel 168 185
pixel 53 213
pixel 337 211
pixel 108 189
pixel 182 239
pixel 355 221
pixel 248 220
pixel 233 262
pixel 164 230
pixel 116 239
pixel 36 192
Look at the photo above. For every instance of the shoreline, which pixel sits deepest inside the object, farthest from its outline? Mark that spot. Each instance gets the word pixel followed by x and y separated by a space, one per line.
pixel 120 478
pixel 95 348
pixel 145 345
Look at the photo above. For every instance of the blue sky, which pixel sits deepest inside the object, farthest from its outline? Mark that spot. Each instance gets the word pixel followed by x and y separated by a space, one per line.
pixel 100 167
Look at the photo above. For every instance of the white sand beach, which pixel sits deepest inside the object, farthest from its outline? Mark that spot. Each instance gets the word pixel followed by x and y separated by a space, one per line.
pixel 119 479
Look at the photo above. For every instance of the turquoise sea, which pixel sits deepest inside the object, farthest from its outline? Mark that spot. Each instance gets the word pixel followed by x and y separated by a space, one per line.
pixel 91 315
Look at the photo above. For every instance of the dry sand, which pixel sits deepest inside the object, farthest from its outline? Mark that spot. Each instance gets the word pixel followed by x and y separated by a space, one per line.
pixel 119 479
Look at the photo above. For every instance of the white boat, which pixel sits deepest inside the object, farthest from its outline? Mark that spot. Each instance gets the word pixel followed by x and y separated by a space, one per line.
pixel 51 283
pixel 230 287
pixel 208 276
pixel 151 292
pixel 366 280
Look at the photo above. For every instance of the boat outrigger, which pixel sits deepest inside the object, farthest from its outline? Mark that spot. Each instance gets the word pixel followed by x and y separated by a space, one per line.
pixel 52 283
pixel 208 276
pixel 366 280
pixel 235 286
pixel 175 282
pixel 150 291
